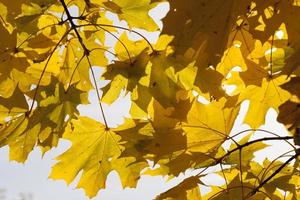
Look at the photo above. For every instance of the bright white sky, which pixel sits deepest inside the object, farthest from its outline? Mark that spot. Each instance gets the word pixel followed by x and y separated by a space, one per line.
pixel 31 177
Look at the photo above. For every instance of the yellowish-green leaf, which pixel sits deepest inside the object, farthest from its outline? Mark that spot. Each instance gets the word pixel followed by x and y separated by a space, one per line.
pixel 188 189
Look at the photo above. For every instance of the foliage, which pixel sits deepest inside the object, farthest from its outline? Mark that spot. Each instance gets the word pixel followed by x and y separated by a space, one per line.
pixel 48 57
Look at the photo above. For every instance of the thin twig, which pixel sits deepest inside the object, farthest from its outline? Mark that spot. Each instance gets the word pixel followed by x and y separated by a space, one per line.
pixel 250 143
pixel 98 95
pixel 271 57
pixel 255 190
pixel 241 172
pixel 43 72
pixel 264 170
pixel 123 28
pixel 86 53
pixel 73 26
pixel 224 176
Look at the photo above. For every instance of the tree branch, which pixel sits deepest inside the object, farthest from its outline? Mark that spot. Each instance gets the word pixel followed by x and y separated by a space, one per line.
pixel 74 27
pixel 255 190
pixel 86 53
pixel 239 147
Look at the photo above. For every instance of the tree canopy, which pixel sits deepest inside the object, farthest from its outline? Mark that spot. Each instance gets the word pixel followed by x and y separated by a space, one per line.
pixel 226 52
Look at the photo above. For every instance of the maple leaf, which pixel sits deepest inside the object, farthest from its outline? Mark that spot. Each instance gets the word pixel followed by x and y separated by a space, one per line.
pixel 186 89
pixel 247 154
pixel 97 150
pixel 268 95
pixel 134 12
pixel 289 111
pixel 198 34
pixel 187 189
pixel 208 126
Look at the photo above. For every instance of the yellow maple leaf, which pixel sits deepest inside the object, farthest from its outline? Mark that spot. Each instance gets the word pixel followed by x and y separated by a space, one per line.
pixel 208 126
pixel 96 150
pixel 188 189
pixel 262 98
pixel 135 12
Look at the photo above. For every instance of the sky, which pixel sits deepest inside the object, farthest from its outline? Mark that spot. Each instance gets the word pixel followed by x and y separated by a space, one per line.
pixel 31 178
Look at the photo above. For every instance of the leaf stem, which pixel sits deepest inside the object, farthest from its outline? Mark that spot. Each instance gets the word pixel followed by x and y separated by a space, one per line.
pixel 98 95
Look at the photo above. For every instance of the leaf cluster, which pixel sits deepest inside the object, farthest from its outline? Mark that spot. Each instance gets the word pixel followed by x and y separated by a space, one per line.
pixel 186 91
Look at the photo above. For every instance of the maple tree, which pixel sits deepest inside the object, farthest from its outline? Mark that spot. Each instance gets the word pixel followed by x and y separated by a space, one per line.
pixel 48 57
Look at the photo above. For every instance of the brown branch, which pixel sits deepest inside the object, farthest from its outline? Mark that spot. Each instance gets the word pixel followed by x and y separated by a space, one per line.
pixel 261 130
pixel 241 172
pixel 88 3
pixel 239 147
pixel 73 73
pixel 73 26
pixel 255 190
pixel 271 57
pixel 224 176
pixel 43 72
pixel 121 42
pixel 263 171
pixel 122 28
pixel 86 53
pixel 233 188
